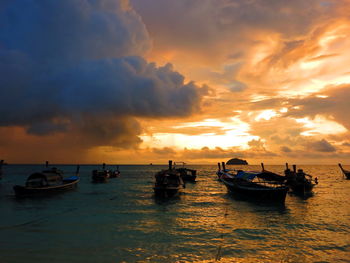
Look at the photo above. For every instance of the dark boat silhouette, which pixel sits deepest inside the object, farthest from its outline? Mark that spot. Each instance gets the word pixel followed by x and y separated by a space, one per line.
pixel 49 181
pixel 115 173
pixel 102 175
pixel 298 181
pixel 252 185
pixel 1 164
pixel 168 182
pixel 346 173
pixel 187 175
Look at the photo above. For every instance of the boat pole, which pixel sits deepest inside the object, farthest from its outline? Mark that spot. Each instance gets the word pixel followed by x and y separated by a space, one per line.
pixel 77 171
pixel 219 167
pixel 170 164
pixel 262 166
pixel 341 167
pixel 287 166
pixel 223 166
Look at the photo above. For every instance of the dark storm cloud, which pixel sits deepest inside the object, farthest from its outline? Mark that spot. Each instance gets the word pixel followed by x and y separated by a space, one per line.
pixel 76 66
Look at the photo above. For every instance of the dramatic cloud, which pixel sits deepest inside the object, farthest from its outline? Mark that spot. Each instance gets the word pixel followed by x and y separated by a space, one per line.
pixel 75 67
pixel 321 146
pixel 333 103
pixel 78 73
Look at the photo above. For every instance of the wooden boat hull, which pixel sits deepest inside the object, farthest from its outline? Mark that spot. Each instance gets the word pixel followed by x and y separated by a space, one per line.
pixel 100 176
pixel 189 178
pixel 114 174
pixel 188 175
pixel 34 191
pixel 99 179
pixel 301 187
pixel 347 175
pixel 256 192
pixel 166 191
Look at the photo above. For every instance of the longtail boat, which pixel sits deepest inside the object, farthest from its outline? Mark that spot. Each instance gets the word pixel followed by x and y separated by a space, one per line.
pixel 168 182
pixel 248 184
pixel 187 175
pixel 298 181
pixel 49 181
pixel 102 175
pixel 346 173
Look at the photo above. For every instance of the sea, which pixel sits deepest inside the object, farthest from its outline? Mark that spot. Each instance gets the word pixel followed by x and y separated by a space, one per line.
pixel 122 220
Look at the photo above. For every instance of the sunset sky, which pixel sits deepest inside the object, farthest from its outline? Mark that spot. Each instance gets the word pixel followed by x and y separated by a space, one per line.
pixel 200 81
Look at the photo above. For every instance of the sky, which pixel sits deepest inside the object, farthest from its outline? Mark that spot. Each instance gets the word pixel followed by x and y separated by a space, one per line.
pixel 199 81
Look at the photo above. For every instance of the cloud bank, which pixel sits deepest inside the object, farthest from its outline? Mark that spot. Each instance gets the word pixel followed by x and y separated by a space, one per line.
pixel 76 67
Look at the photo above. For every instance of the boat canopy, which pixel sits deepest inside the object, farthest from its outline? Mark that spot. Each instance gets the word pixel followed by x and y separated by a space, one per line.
pixel 246 175
pixel 43 179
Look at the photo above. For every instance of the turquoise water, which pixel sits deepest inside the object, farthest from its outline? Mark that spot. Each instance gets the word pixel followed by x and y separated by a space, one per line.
pixel 122 221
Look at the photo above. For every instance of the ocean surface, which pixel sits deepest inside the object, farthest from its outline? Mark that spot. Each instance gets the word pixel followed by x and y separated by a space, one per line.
pixel 122 221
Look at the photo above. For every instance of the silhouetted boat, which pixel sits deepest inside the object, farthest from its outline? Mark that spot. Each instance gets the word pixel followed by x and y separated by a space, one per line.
pixel 47 182
pixel 253 185
pixel 248 184
pixel 115 173
pixel 345 172
pixel 298 181
pixel 101 176
pixel 224 172
pixel 187 175
pixel 1 164
pixel 168 182
pixel 270 176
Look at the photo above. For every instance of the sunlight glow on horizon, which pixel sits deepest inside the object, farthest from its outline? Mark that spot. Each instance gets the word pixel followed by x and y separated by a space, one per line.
pixel 234 133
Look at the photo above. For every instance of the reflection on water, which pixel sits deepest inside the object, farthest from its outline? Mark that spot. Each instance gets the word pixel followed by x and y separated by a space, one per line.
pixel 122 221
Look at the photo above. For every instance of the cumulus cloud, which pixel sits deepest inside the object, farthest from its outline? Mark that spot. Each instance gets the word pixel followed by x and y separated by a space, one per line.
pixel 76 67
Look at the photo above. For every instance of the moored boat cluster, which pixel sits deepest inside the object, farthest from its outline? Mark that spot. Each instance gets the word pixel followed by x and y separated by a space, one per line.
pixel 258 185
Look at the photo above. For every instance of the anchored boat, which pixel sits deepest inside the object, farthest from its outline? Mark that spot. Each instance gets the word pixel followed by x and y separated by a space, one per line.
pixel 187 175
pixel 298 181
pixel 101 176
pixel 49 181
pixel 253 185
pixel 168 182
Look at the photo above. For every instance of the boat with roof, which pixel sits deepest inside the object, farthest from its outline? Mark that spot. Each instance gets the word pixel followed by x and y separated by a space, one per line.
pixel 102 175
pixel 251 184
pixel 168 182
pixel 299 181
pixel 187 175
pixel 48 181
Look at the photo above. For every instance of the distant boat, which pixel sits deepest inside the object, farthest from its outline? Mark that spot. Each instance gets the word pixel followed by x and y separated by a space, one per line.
pixel 1 164
pixel 49 181
pixel 115 173
pixel 101 176
pixel 298 181
pixel 187 175
pixel 345 172
pixel 168 182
